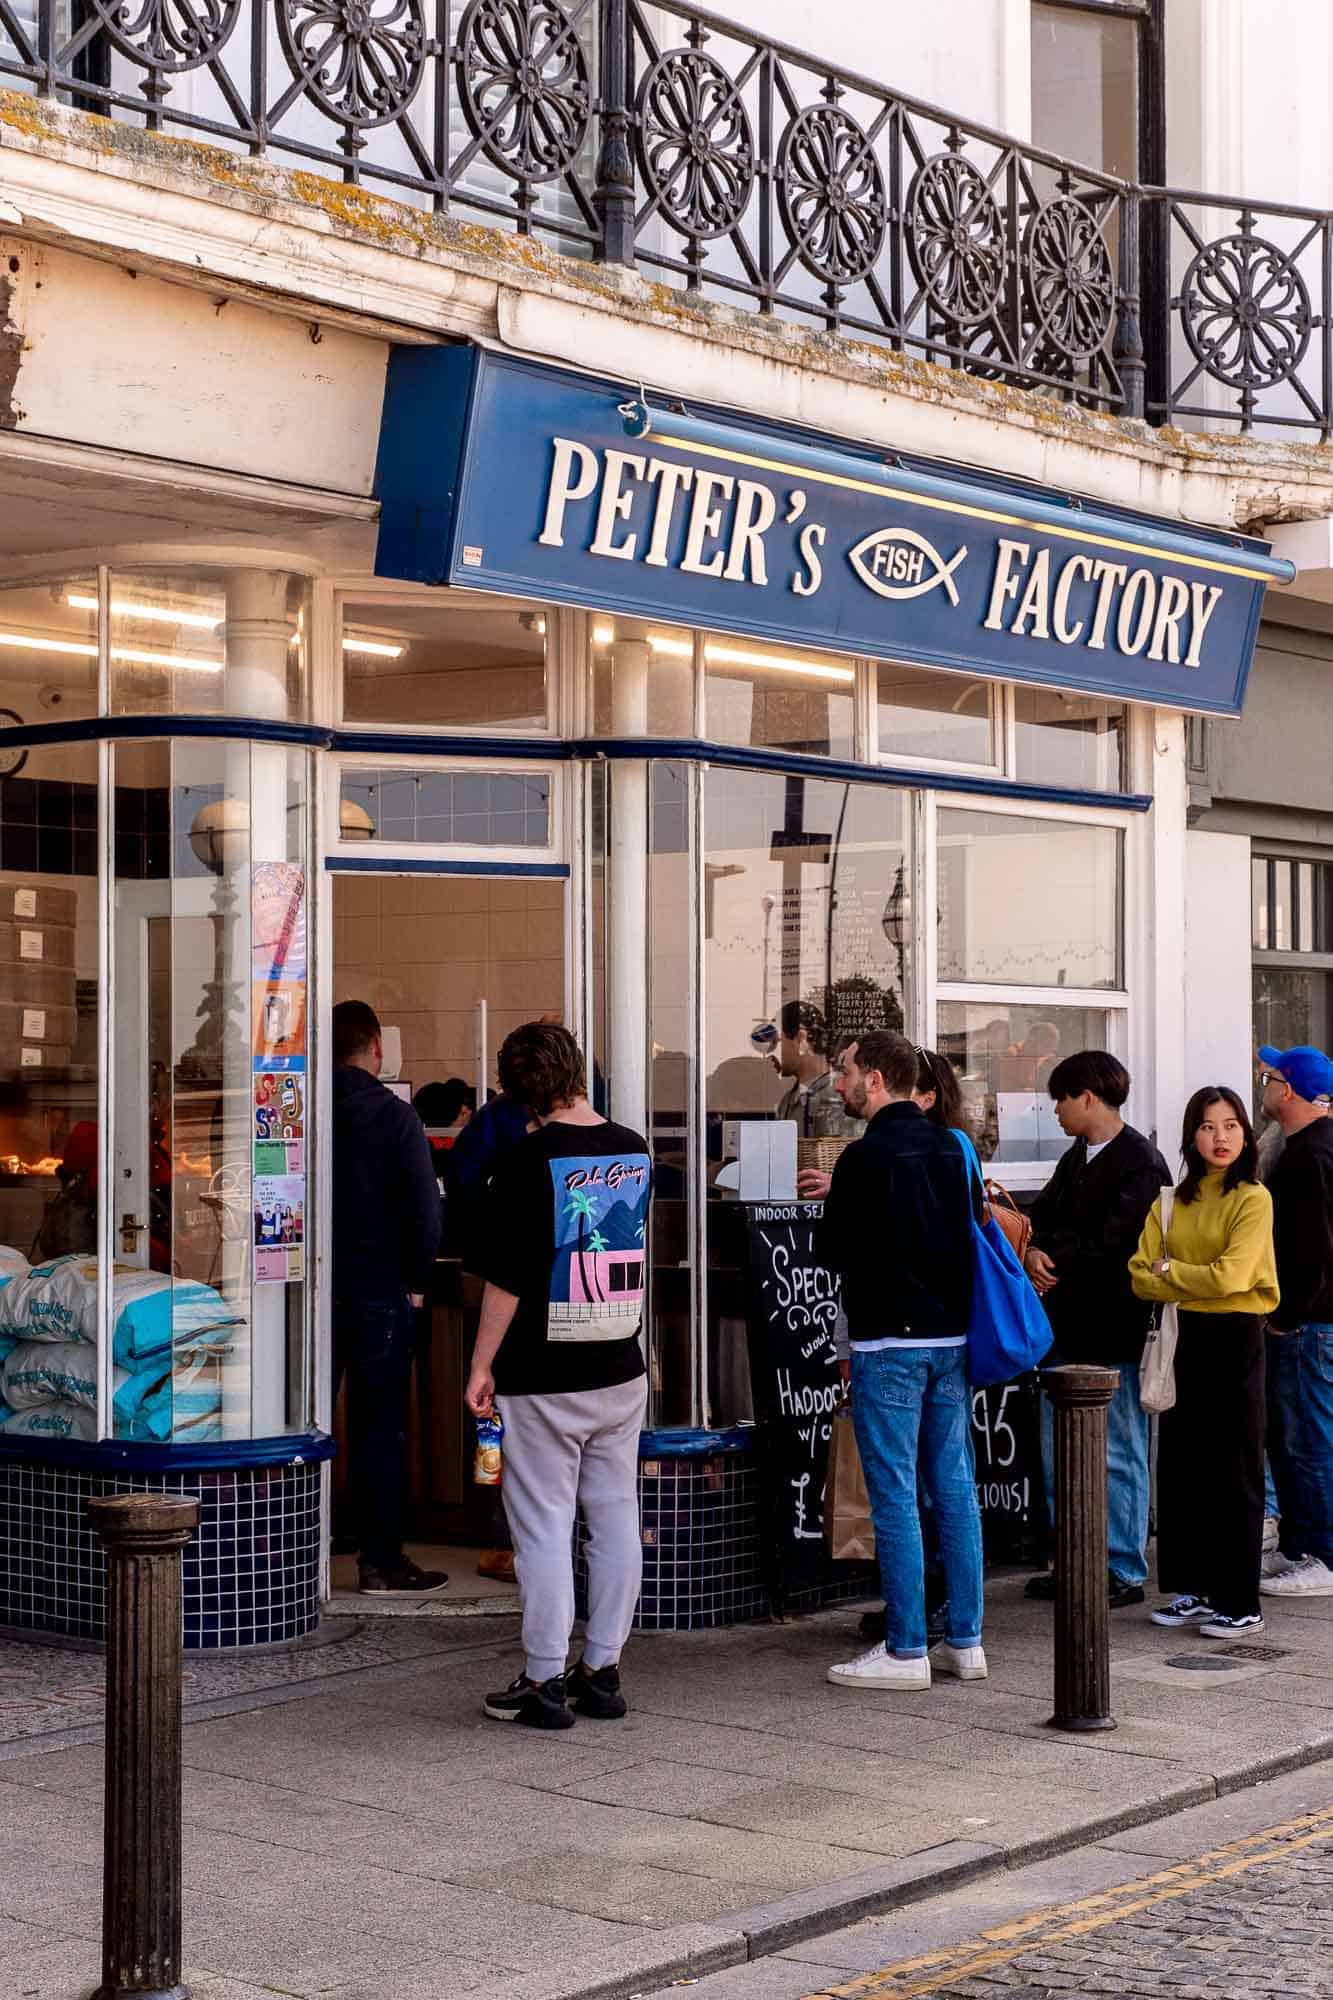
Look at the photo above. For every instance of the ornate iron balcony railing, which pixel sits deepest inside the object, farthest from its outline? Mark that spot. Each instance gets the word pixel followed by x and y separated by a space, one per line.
pixel 711 156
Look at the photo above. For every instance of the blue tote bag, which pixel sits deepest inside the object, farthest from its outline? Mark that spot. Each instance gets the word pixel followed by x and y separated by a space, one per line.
pixel 1008 1332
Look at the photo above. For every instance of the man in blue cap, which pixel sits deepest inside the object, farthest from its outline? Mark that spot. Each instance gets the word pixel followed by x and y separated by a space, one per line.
pixel 1298 1092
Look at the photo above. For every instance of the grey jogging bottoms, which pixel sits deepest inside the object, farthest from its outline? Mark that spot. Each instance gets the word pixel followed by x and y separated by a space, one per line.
pixel 562 1453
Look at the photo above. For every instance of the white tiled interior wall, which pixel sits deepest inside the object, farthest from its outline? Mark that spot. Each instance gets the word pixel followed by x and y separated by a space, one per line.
pixel 424 949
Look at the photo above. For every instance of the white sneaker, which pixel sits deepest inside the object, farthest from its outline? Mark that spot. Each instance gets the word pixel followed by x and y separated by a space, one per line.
pixel 879 1669
pixel 1272 1529
pixel 965 1663
pixel 1219 1626
pixel 1276 1564
pixel 1187 1610
pixel 1307 1578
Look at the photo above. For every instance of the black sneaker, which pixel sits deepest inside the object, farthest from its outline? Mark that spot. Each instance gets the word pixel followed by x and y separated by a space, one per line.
pixel 1123 1594
pixel 405 1579
pixel 596 1692
pixel 1041 1587
pixel 873 1626
pixel 539 1705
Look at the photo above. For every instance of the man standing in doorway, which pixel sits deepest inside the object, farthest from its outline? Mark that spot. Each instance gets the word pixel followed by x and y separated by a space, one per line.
pixel 802 1054
pixel 897 1229
pixel 386 1231
pixel 1086 1223
pixel 562 1251
pixel 1298 1089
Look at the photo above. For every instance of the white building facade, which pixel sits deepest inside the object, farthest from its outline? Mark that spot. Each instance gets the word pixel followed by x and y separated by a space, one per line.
pixel 584 509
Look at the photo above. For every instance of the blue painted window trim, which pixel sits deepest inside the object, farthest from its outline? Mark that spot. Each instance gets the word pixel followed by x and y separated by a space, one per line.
pixel 684 749
pixel 370 864
pixel 111 1455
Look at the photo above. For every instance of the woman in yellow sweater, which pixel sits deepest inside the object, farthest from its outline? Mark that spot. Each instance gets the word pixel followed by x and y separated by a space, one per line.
pixel 1218 1268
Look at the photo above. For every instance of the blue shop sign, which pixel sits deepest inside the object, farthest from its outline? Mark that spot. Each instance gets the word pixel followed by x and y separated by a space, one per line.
pixel 499 474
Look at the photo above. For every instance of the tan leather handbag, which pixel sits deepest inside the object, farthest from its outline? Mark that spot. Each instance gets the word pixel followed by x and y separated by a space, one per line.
pixel 1010 1218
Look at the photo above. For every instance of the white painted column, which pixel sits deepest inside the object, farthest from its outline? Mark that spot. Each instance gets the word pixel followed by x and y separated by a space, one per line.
pixel 1167 930
pixel 627 871
pixel 258 636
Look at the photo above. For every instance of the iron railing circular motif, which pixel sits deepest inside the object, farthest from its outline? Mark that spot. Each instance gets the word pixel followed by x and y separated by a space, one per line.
pixel 168 35
pixel 956 238
pixel 1246 312
pixel 360 61
pixel 695 144
pixel 1069 281
pixel 523 85
pixel 831 193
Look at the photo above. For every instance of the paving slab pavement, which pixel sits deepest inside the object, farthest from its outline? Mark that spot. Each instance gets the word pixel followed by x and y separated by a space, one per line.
pixel 354 1826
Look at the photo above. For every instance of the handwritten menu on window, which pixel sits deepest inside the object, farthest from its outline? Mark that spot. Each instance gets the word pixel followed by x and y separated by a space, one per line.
pixel 278 1028
pixel 796 1383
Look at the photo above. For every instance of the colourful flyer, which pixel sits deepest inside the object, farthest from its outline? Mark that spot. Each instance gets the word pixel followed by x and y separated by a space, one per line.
pixel 279 1024
pixel 277 920
pixel 279 1227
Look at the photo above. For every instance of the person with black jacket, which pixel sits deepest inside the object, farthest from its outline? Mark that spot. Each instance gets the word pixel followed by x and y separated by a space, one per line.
pixel 1298 1091
pixel 386 1232
pixel 897 1229
pixel 1086 1224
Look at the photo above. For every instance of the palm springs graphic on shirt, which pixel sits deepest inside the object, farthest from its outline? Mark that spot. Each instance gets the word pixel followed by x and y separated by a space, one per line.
pixel 601 1215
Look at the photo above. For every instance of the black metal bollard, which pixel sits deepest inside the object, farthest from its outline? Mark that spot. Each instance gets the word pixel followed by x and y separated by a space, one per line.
pixel 1082 1610
pixel 143 1535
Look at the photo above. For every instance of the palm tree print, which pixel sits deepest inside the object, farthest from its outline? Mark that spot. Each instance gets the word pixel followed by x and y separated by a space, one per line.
pixel 580 1205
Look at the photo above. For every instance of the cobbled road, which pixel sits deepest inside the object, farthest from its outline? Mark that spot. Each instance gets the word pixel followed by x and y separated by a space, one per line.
pixel 1252 1920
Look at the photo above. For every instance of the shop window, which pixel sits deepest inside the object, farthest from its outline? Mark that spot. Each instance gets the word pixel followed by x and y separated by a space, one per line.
pixel 1028 901
pixel 807 915
pixel 643 678
pixel 947 718
pixel 1004 1054
pixel 451 662
pixel 48 652
pixel 230 642
pixel 209 1112
pixel 672 988
pixel 470 808
pixel 1291 904
pixel 49 1059
pixel 1073 740
pixel 777 699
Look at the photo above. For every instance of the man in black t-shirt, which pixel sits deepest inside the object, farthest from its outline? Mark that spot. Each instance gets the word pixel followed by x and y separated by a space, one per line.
pixel 562 1249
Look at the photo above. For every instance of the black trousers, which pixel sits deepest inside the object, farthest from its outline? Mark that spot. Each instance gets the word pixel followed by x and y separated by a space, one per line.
pixel 374 1341
pixel 1210 1464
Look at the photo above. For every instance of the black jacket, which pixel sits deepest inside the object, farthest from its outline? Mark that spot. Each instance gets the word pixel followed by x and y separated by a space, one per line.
pixel 386 1201
pixel 1302 1189
pixel 1088 1219
pixel 897 1230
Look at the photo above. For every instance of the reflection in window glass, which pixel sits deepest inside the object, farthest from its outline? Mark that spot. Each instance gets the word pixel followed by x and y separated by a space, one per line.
pixel 1068 739
pixel 670 1079
pixel 209 1126
pixel 1085 87
pixel 466 808
pixel 776 698
pixel 1029 902
pixel 49 1163
pixel 230 642
pixel 643 678
pixel 942 716
pixel 48 652
pixel 807 937
pixel 1004 1056
pixel 459 663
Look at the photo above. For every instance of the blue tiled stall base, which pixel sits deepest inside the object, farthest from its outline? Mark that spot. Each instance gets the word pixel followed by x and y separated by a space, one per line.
pixel 250 1574
pixel 701 1513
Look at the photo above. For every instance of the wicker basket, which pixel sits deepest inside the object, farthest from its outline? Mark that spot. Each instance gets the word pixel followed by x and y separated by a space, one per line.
pixel 821 1154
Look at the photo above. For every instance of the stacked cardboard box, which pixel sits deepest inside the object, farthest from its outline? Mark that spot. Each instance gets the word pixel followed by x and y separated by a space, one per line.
pixel 37 978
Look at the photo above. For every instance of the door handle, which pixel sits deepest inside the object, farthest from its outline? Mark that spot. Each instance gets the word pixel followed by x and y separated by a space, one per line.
pixel 131 1229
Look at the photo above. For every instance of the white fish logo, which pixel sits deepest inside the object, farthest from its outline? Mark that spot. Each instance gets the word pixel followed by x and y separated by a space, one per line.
pixel 892 562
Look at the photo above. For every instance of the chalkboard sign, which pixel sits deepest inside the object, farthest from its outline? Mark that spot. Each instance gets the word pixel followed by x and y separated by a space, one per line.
pixel 796 1384
pixel 1006 1435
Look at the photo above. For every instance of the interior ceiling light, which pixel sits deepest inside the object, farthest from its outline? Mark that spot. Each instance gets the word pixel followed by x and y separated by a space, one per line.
pixel 156 614
pixel 376 646
pixel 130 654
pixel 732 656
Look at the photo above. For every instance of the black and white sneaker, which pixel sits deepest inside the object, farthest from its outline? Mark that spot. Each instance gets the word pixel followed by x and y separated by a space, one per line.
pixel 596 1692
pixel 1218 1625
pixel 1187 1610
pixel 537 1704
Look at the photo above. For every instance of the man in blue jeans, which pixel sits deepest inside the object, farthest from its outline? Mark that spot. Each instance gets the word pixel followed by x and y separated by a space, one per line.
pixel 897 1229
pixel 386 1231
pixel 1086 1224
pixel 1298 1091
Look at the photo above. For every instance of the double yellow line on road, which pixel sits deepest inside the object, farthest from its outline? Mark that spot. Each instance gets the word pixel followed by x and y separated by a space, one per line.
pixel 1066 1922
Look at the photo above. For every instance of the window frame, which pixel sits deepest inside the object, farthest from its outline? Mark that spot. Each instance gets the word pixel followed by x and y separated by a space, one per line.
pixel 389 597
